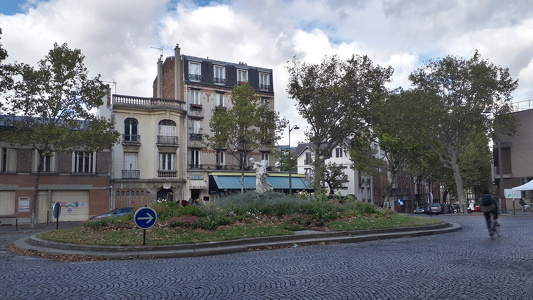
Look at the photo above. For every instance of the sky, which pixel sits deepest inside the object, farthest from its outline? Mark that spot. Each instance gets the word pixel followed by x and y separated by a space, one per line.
pixel 122 39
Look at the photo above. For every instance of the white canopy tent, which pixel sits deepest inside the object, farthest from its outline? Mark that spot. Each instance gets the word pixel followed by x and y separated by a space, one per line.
pixel 524 187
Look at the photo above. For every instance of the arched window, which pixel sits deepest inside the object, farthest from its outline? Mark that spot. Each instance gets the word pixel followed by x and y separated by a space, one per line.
pixel 131 130
pixel 167 132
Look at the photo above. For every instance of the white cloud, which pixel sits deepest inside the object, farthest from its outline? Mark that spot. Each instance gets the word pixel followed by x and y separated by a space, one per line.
pixel 117 36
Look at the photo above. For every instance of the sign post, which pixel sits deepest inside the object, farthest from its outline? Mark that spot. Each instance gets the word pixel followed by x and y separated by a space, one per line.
pixel 145 217
pixel 57 212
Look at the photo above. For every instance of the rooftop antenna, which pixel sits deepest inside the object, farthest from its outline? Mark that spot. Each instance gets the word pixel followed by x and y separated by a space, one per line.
pixel 160 49
pixel 112 82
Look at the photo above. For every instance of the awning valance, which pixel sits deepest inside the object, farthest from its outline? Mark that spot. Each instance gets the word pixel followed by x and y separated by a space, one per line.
pixel 197 185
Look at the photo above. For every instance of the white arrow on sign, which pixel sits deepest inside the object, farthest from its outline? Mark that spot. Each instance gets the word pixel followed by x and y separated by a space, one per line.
pixel 149 218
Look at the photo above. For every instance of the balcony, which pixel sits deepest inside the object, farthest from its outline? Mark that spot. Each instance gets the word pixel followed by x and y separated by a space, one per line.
pixel 264 87
pixel 195 77
pixel 195 136
pixel 219 80
pixel 129 101
pixel 167 174
pixel 195 166
pixel 167 140
pixel 131 139
pixel 131 174
pixel 194 106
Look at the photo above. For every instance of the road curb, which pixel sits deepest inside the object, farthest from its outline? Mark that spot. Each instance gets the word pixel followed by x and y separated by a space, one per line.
pixel 37 246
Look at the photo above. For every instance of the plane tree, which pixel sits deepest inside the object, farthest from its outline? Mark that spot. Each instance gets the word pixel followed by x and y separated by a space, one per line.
pixel 445 108
pixel 50 108
pixel 334 96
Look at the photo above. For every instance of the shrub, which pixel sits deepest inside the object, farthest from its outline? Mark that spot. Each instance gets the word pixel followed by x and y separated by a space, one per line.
pixel 110 223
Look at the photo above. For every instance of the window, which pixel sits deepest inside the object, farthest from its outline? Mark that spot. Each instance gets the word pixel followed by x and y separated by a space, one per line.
pixel 130 165
pixel 338 152
pixel 219 99
pixel 46 160
pixel 166 161
pixel 130 161
pixel 195 159
pixel 220 158
pixel 265 101
pixel 195 128
pixel 167 132
pixel 264 81
pixel 219 75
pixel 131 130
pixel 83 162
pixel 264 156
pixel 308 158
pixel 242 75
pixel 194 96
pixel 195 72
pixel 3 160
pixel 47 163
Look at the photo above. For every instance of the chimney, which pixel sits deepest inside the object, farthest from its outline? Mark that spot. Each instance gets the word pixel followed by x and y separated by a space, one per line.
pixel 177 72
pixel 159 80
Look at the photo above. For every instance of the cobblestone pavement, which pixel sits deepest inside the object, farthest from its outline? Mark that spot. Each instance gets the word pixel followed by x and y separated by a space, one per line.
pixel 461 265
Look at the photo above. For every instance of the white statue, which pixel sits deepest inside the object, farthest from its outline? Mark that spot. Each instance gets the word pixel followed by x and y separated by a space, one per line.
pixel 261 175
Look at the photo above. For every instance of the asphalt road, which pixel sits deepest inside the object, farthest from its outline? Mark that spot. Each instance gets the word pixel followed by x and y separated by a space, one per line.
pixel 461 265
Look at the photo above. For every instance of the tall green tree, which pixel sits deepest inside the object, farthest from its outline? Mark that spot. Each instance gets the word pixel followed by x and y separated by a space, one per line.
pixel 334 97
pixel 243 127
pixel 445 108
pixel 50 107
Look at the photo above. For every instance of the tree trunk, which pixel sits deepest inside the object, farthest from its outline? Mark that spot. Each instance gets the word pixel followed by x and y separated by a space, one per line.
pixel 34 211
pixel 458 180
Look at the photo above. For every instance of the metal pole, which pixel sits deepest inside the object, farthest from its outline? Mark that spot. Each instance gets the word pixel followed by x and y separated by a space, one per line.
pixel 290 162
pixel 295 127
pixel 503 205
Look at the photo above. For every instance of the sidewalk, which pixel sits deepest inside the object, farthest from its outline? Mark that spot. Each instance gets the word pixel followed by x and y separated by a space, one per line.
pixel 34 245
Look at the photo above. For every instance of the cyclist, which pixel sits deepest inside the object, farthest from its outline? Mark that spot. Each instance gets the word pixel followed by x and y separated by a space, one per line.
pixel 489 205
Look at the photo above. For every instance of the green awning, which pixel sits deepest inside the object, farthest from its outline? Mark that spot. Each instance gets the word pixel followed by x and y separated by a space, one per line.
pixel 278 183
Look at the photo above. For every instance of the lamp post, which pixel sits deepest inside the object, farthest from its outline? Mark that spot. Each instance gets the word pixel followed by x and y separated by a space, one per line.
pixel 295 127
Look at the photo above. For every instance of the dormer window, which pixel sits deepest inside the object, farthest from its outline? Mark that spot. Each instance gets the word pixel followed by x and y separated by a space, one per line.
pixel 242 76
pixel 264 81
pixel 219 76
pixel 195 71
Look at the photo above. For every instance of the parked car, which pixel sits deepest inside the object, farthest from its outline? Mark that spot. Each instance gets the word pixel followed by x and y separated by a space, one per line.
pixel 419 210
pixel 114 213
pixel 436 209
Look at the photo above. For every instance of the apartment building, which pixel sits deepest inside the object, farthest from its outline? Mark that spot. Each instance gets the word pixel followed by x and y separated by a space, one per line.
pixel 513 156
pixel 164 152
pixel 79 181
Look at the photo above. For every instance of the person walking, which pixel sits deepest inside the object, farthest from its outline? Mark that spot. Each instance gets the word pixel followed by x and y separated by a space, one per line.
pixel 489 205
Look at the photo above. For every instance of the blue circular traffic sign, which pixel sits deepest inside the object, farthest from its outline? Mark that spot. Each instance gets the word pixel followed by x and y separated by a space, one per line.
pixel 145 217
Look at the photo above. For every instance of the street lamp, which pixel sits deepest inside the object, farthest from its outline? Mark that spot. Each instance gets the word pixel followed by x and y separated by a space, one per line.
pixel 295 127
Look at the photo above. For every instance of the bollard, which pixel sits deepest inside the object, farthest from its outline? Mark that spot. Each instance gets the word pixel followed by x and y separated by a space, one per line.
pixel 17 224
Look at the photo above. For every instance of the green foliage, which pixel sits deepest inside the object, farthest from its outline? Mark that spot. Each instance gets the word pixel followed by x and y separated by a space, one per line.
pixel 334 176
pixel 245 126
pixel 50 107
pixel 445 110
pixel 111 223
pixel 334 96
